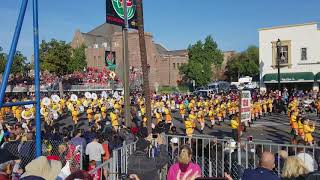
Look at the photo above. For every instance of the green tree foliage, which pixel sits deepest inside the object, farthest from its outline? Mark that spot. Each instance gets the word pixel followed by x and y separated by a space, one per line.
pixel 19 63
pixel 244 64
pixel 78 59
pixel 202 55
pixel 55 56
pixel 2 60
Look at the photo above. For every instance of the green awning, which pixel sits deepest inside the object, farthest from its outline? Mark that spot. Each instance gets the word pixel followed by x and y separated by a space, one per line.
pixel 317 77
pixel 289 77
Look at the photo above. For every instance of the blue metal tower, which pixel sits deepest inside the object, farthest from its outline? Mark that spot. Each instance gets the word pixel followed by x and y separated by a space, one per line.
pixel 36 68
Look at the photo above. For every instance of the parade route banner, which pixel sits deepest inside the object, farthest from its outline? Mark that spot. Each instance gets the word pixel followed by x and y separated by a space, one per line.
pixel 115 13
pixel 245 106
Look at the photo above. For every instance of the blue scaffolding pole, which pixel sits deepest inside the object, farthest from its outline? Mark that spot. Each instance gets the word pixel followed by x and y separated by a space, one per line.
pixel 36 68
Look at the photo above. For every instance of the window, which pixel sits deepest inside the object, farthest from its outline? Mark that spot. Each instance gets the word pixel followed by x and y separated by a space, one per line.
pixel 304 54
pixel 174 65
pixel 284 55
pixel 99 58
pixel 94 58
pixel 178 65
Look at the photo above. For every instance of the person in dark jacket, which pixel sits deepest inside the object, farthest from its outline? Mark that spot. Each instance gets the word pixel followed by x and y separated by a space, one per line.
pixel 145 167
pixel 264 171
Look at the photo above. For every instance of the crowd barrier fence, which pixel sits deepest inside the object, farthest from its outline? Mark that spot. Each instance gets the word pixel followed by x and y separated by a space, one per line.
pixel 214 156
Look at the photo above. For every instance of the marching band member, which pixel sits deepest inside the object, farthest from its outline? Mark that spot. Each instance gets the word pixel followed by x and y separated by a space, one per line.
pixel 211 115
pixel 234 125
pixel 190 123
pixel 103 109
pixel 168 117
pixel 300 127
pixel 90 115
pixel 75 114
pixel 308 129
pixel 270 105
pixel 182 110
pixel 158 116
pixel 114 119
pixel 200 116
pixel 97 118
pixel 294 123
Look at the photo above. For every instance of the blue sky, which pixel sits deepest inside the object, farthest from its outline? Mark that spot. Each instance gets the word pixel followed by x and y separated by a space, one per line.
pixel 173 23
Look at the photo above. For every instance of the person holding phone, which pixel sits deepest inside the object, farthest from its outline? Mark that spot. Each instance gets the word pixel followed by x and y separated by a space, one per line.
pixel 184 165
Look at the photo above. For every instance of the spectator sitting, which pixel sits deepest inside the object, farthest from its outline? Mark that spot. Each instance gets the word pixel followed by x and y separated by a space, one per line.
pixel 294 169
pixel 184 164
pixel 264 171
pixel 142 165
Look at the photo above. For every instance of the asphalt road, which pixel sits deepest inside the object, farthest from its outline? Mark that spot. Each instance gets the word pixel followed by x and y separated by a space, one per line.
pixel 274 128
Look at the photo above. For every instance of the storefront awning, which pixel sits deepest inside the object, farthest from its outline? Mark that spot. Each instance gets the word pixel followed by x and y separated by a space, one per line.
pixel 317 77
pixel 289 77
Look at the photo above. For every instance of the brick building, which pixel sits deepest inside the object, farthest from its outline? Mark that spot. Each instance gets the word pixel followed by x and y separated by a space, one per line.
pixel 164 64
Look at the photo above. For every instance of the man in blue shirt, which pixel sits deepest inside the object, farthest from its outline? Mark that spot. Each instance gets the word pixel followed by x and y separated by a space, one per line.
pixel 264 171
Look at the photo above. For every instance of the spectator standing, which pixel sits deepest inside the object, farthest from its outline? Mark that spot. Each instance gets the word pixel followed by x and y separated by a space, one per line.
pixel 183 165
pixel 78 140
pixel 95 150
pixel 146 167
pixel 264 171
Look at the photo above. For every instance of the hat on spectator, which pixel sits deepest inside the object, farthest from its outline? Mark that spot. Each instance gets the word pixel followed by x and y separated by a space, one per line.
pixel 44 168
pixel 6 156
pixel 142 144
pixel 174 140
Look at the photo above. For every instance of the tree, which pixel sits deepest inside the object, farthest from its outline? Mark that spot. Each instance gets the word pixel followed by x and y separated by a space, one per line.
pixel 19 63
pixel 202 55
pixel 244 64
pixel 2 60
pixel 78 59
pixel 55 56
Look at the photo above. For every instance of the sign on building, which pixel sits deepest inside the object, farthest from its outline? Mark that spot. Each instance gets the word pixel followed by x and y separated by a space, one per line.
pixel 245 106
pixel 115 13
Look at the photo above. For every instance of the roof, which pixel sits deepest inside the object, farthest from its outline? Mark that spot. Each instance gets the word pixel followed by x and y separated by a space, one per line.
pixel 160 48
pixel 90 39
pixel 287 26
pixel 100 34
pixel 105 30
pixel 181 52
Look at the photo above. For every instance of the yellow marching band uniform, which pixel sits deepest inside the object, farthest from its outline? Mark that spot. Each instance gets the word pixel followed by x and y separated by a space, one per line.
pixel 96 109
pixel 301 127
pixel 197 110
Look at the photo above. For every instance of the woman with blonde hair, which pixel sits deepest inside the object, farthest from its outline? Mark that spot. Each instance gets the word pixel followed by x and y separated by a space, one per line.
pixel 294 169
pixel 184 165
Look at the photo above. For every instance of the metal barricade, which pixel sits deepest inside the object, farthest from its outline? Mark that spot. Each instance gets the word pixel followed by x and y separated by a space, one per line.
pixel 214 156
pixel 116 167
pixel 217 156
pixel 26 152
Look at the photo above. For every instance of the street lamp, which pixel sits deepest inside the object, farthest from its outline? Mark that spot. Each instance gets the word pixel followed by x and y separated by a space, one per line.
pixel 278 63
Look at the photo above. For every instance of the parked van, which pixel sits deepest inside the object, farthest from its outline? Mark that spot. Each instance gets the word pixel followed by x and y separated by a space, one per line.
pixel 219 86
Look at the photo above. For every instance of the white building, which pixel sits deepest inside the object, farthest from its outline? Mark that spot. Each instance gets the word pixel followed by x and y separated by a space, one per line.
pixel 300 56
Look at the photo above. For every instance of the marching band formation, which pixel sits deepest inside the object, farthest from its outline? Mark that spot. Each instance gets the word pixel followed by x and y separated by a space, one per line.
pixel 194 111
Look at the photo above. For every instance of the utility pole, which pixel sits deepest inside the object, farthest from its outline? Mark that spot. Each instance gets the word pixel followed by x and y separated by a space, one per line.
pixel 144 64
pixel 126 66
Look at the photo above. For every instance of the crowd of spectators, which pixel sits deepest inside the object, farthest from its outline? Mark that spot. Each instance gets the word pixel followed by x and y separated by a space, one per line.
pixel 89 76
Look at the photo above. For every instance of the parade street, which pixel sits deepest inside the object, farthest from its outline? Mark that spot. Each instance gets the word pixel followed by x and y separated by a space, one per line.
pixel 275 128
